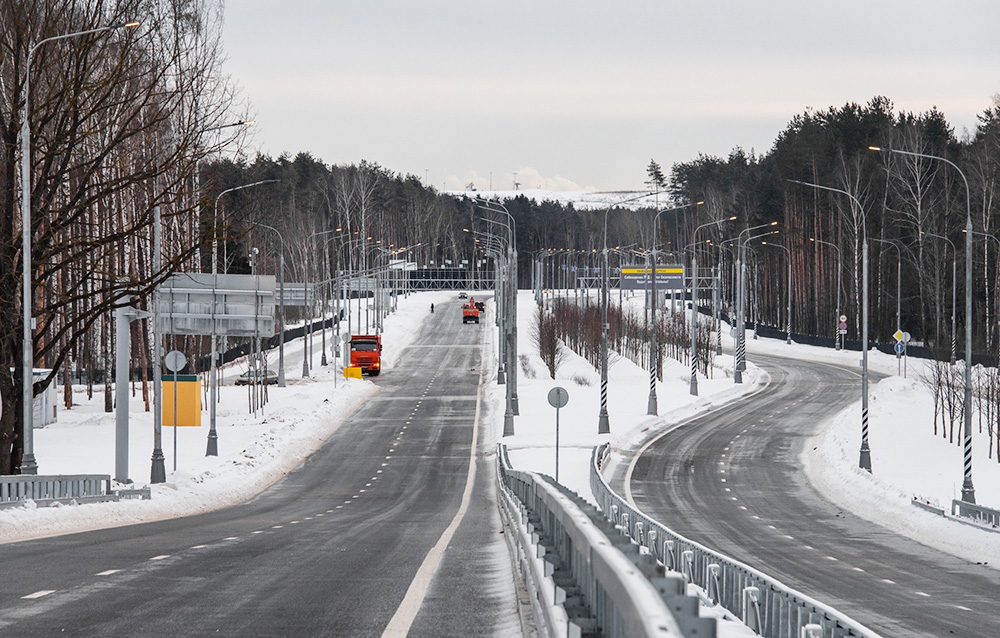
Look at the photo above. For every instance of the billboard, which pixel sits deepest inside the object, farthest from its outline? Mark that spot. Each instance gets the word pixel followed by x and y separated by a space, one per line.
pixel 667 277
pixel 226 305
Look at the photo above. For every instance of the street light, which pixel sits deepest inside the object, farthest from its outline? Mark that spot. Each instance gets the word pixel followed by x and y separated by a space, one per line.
pixel 788 315
pixel 741 347
pixel 899 278
pixel 839 270
pixel 651 405
pixel 28 464
pixel 281 303
pixel 603 423
pixel 212 447
pixel 865 457
pixel 954 289
pixel 694 299
pixel 968 491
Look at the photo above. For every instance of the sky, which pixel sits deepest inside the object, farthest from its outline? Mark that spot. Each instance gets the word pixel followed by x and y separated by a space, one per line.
pixel 582 95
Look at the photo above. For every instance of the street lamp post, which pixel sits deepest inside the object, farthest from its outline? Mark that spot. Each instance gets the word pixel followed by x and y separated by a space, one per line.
pixel 968 491
pixel 212 447
pixel 899 278
pixel 788 315
pixel 741 348
pixel 954 289
pixel 28 463
pixel 694 300
pixel 498 208
pixel 836 322
pixel 865 457
pixel 281 303
pixel 651 405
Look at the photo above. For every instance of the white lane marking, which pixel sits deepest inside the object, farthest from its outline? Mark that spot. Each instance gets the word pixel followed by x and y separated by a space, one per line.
pixel 108 572
pixel 886 580
pixel 837 560
pixel 259 531
pixel 277 526
pixel 963 608
pixel 39 594
pixel 294 523
pixel 231 538
pixel 920 593
pixel 162 556
pixel 857 569
pixel 743 507
pixel 402 620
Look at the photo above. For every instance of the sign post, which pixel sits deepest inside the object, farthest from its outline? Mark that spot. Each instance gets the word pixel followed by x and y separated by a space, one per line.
pixel 174 360
pixel 558 398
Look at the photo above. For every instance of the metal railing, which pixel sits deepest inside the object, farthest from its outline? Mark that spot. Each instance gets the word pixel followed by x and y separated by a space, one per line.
pixel 983 515
pixel 15 491
pixel 764 604
pixel 582 576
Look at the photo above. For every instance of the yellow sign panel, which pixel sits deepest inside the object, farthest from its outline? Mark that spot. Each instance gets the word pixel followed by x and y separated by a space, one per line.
pixel 662 270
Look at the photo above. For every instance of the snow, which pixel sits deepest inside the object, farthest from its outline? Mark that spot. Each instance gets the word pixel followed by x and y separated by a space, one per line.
pixel 257 450
pixel 581 200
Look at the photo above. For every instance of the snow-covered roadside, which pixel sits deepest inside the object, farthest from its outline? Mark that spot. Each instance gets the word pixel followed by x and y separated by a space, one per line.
pixel 908 460
pixel 255 451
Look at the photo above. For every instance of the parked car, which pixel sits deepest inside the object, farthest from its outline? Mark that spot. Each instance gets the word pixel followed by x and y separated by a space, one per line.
pixel 252 376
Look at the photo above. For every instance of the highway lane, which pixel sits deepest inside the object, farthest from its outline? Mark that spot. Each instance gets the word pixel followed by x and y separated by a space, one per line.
pixel 330 550
pixel 731 480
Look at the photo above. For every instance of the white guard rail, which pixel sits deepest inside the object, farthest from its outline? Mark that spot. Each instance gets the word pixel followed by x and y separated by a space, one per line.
pixel 765 605
pixel 43 490
pixel 583 577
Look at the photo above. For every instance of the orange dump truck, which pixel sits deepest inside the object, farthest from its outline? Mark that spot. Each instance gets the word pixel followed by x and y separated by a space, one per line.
pixel 470 312
pixel 366 353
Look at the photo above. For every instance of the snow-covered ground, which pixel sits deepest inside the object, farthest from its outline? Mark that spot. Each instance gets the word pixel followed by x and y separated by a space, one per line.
pixel 581 200
pixel 257 450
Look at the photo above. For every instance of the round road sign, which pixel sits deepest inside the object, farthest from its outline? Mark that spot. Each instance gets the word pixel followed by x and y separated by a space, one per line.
pixel 558 397
pixel 843 318
pixel 843 325
pixel 900 347
pixel 174 360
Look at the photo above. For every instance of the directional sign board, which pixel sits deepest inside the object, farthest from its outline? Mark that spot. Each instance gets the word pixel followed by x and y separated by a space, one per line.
pixel 639 277
pixel 295 294
pixel 225 305
pixel 900 347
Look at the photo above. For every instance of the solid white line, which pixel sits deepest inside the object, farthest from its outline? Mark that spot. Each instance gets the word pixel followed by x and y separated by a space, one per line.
pixel 400 623
pixel 39 594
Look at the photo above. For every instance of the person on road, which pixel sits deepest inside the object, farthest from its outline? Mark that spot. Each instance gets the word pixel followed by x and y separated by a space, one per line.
pixel 432 308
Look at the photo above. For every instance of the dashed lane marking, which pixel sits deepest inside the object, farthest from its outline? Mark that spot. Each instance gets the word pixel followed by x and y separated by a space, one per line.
pixel 162 556
pixel 39 594
pixel 108 572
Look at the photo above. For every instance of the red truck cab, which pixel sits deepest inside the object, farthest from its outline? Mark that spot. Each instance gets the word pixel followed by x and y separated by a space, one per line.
pixel 470 312
pixel 366 353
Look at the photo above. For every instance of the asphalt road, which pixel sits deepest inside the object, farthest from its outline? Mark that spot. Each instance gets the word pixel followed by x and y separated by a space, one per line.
pixel 331 550
pixel 731 480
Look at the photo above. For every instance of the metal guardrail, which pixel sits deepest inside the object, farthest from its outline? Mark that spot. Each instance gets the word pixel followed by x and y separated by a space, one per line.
pixel 584 578
pixel 983 515
pixel 15 491
pixel 764 604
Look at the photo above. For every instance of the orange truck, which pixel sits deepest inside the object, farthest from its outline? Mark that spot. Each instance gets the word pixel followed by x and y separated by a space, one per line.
pixel 470 312
pixel 366 353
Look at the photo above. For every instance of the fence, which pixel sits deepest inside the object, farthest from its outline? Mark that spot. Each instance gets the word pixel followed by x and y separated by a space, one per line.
pixel 765 605
pixel 582 575
pixel 15 491
pixel 983 515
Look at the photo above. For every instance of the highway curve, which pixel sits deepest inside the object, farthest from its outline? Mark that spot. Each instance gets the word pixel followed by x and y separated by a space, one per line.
pixel 331 550
pixel 731 479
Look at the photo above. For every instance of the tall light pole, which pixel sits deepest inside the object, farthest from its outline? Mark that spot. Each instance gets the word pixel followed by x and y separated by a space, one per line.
pixel 788 315
pixel 954 289
pixel 651 404
pixel 836 322
pixel 498 208
pixel 968 491
pixel 281 303
pixel 28 464
pixel 865 457
pixel 899 278
pixel 741 348
pixel 212 447
pixel 603 423
pixel 694 301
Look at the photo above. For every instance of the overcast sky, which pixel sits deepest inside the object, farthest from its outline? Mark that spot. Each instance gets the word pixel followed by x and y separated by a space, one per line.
pixel 582 94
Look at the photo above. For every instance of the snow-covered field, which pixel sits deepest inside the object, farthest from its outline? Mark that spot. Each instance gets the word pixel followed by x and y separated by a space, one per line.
pixel 257 450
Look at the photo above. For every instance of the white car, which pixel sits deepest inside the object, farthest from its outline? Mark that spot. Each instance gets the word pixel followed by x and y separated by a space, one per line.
pixel 463 295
